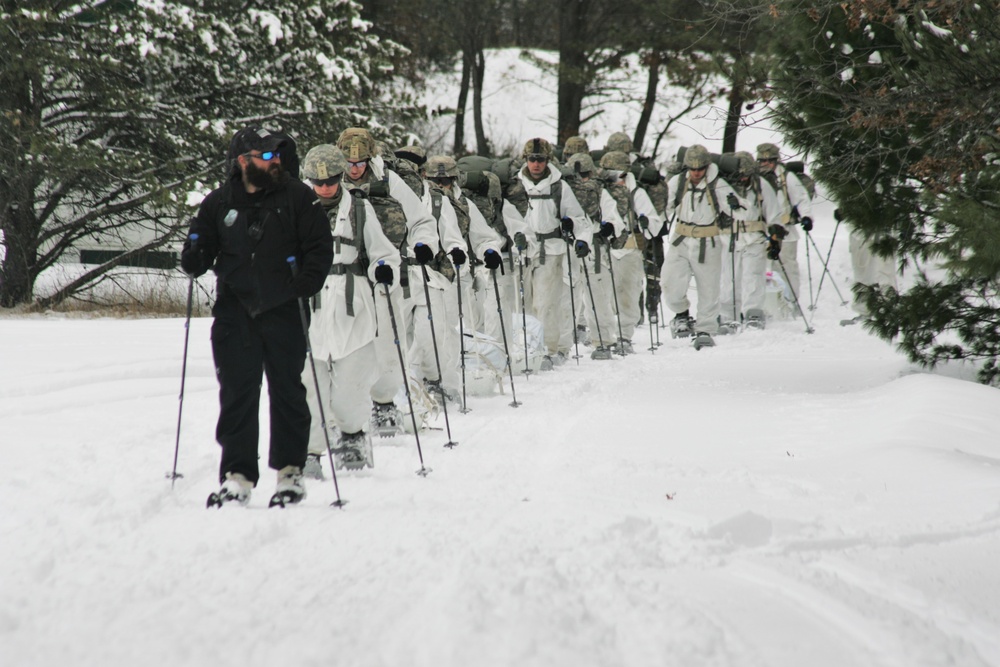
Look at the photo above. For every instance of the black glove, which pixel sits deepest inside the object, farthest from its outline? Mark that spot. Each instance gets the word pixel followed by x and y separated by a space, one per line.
pixel 302 287
pixel 734 202
pixel 383 274
pixel 582 249
pixel 520 241
pixel 491 258
pixel 607 230
pixel 724 221
pixel 775 234
pixel 773 247
pixel 194 257
pixel 423 253
pixel 807 224
pixel 457 256
pixel 567 225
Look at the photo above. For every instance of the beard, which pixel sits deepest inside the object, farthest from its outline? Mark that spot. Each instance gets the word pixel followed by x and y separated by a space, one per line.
pixel 265 179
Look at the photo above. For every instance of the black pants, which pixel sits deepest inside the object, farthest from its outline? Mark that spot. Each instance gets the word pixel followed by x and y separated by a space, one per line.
pixel 244 349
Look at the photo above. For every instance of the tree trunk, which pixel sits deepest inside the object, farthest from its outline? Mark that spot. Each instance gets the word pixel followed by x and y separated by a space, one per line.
pixel 17 280
pixel 463 101
pixel 653 62
pixel 733 115
pixel 478 72
pixel 572 68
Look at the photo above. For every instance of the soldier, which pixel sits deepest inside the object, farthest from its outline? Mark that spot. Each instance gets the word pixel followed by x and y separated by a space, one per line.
pixel 796 211
pixel 643 225
pixel 744 270
pixel 406 223
pixel 574 146
pixel 551 217
pixel 607 224
pixel 344 321
pixel 697 196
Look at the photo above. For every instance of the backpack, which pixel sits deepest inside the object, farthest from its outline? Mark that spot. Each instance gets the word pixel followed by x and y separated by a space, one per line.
pixel 799 169
pixel 648 177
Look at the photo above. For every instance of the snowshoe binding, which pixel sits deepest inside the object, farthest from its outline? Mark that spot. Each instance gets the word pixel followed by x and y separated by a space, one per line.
pixel 601 353
pixel 314 467
pixel 289 490
pixel 728 328
pixel 387 420
pixel 703 339
pixel 354 452
pixel 236 489
pixel 755 319
pixel 681 326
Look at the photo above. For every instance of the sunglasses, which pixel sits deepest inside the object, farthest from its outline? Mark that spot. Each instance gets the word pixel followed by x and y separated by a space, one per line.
pixel 537 158
pixel 360 163
pixel 266 157
pixel 765 160
pixel 697 168
pixel 324 182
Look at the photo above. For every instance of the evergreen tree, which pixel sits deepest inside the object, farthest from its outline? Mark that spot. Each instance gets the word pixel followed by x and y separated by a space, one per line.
pixel 896 106
pixel 118 116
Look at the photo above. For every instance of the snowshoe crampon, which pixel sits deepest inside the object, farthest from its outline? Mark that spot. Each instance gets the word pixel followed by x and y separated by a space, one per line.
pixel 387 420
pixel 680 327
pixel 284 498
pixel 602 353
pixel 703 339
pixel 354 452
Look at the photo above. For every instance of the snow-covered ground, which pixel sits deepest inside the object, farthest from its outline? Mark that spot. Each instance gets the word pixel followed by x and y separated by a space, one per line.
pixel 783 499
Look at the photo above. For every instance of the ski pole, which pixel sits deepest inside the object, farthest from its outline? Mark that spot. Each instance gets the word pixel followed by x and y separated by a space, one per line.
pixel 503 330
pixel 173 475
pixel 437 357
pixel 406 380
pixel 614 291
pixel 319 398
pixel 826 270
pixel 572 300
pixel 593 304
pixel 461 334
pixel 837 215
pixel 524 313
pixel 788 282
pixel 733 237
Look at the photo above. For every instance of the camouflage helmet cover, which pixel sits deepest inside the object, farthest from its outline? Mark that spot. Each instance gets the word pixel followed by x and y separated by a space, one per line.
pixel 415 154
pixel 573 146
pixel 357 144
pixel 748 166
pixel 581 163
pixel 537 146
pixel 324 161
pixel 615 161
pixel 768 152
pixel 441 166
pixel 619 141
pixel 696 157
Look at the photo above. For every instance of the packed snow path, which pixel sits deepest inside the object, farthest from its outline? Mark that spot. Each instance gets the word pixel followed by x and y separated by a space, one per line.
pixel 780 499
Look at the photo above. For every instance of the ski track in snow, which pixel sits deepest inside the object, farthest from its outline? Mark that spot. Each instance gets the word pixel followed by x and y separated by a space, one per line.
pixel 781 499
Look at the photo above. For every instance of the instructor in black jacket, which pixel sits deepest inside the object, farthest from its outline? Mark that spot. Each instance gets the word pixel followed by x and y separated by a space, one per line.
pixel 269 242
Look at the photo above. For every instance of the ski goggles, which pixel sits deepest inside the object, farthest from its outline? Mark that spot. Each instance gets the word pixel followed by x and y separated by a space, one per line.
pixel 359 163
pixel 537 158
pixel 267 156
pixel 324 182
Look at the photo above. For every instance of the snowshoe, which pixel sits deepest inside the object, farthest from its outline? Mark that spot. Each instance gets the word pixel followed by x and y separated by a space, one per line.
pixel 728 328
pixel 850 322
pixel 354 452
pixel 703 339
pixel 236 488
pixel 755 319
pixel 625 347
pixel 546 364
pixel 289 490
pixel 601 353
pixel 681 326
pixel 583 336
pixel 387 420
pixel 314 467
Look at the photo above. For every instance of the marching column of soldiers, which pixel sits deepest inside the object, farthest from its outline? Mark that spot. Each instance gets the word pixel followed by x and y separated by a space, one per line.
pixel 431 254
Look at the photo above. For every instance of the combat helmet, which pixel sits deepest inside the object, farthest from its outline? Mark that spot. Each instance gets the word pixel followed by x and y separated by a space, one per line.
pixel 619 141
pixel 616 161
pixel 696 157
pixel 574 146
pixel 441 166
pixel 357 144
pixel 537 146
pixel 580 163
pixel 322 162
pixel 768 152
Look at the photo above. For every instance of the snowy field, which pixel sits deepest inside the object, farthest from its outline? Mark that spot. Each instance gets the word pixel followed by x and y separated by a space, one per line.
pixel 780 500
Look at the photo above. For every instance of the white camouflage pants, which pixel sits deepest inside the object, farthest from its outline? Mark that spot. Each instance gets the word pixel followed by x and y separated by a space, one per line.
pixel 680 265
pixel 444 311
pixel 389 375
pixel 345 386
pixel 869 268
pixel 550 296
pixel 630 281
pixel 751 275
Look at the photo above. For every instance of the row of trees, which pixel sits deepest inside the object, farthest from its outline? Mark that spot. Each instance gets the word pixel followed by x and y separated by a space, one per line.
pixel 115 113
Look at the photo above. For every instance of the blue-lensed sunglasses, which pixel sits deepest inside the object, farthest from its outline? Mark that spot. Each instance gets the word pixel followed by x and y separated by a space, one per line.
pixel 266 157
